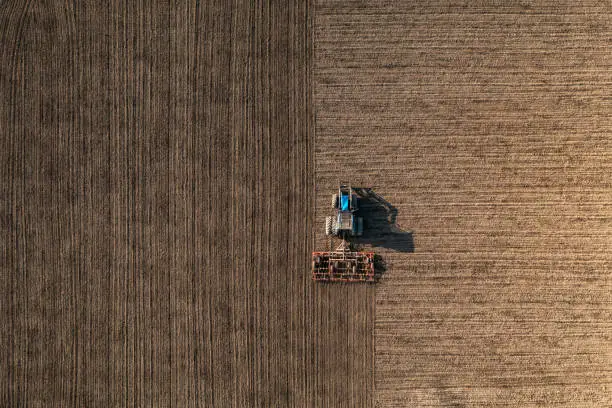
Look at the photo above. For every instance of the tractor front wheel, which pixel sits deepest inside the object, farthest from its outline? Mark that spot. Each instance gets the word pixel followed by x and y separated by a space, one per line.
pixel 335 201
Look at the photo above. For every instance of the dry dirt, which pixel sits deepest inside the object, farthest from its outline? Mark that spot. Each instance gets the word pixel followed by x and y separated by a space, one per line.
pixel 165 168
pixel 486 128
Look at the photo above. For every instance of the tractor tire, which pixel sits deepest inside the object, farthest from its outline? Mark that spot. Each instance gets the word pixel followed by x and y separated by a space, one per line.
pixel 328 225
pixel 335 231
pixel 335 201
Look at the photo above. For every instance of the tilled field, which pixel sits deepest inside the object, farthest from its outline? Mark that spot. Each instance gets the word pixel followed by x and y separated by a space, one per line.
pixel 486 129
pixel 156 203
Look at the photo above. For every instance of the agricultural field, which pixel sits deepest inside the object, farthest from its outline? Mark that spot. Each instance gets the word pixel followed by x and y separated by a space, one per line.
pixel 156 204
pixel 485 126
pixel 166 168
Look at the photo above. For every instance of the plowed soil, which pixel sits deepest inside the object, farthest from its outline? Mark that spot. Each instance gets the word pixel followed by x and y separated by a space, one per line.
pixel 156 203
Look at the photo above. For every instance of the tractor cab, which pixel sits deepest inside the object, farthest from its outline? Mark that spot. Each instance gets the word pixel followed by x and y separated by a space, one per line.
pixel 344 222
pixel 347 200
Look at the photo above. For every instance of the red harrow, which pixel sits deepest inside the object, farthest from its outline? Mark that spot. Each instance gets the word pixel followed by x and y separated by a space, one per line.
pixel 343 265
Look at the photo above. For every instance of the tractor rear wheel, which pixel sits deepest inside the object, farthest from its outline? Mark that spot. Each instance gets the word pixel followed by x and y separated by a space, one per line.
pixel 335 201
pixel 328 225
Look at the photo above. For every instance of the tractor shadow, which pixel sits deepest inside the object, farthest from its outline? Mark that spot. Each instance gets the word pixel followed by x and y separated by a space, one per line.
pixel 380 227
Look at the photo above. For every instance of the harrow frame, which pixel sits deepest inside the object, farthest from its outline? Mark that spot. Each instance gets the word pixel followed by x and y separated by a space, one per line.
pixel 343 265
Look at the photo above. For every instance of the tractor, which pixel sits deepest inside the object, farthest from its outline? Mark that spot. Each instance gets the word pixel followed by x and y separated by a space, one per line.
pixel 344 223
pixel 343 264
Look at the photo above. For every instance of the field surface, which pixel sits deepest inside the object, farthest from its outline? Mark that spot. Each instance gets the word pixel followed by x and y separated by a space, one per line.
pixel 485 127
pixel 156 197
pixel 166 167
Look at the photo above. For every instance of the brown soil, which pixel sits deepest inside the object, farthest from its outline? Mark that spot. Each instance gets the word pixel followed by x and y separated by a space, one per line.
pixel 156 174
pixel 486 129
pixel 165 169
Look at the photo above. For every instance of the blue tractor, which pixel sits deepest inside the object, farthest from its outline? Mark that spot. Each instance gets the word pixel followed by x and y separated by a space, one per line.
pixel 344 223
